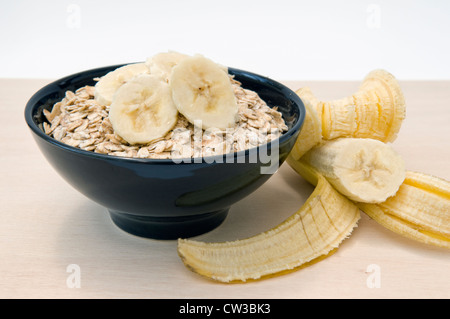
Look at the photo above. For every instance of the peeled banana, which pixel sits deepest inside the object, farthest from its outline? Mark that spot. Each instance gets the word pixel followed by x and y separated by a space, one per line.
pixel 142 110
pixel 416 205
pixel 202 92
pixel 363 169
pixel 312 233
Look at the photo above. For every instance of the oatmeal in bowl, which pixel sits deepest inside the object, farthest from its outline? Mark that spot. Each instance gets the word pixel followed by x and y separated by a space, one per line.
pixel 161 168
pixel 83 119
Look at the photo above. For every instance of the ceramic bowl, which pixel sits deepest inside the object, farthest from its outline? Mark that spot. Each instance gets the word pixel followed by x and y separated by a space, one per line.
pixel 166 199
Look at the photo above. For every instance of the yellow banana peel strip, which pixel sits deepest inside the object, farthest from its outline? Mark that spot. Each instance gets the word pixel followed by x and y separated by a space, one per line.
pixel 311 234
pixel 311 133
pixel 420 210
pixel 375 111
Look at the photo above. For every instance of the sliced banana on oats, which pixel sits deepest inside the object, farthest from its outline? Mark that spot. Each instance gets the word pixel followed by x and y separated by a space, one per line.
pixel 161 64
pixel 142 110
pixel 203 93
pixel 112 81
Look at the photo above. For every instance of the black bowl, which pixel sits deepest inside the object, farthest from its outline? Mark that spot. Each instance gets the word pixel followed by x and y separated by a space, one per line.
pixel 164 199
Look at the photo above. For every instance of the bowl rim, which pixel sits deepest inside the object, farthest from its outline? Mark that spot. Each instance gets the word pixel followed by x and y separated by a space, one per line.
pixel 33 100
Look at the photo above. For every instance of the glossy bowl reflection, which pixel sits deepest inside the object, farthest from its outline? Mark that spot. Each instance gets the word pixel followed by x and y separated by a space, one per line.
pixel 163 199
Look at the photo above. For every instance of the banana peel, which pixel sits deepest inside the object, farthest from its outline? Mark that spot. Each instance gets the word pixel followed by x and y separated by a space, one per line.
pixel 311 234
pixel 420 210
pixel 375 111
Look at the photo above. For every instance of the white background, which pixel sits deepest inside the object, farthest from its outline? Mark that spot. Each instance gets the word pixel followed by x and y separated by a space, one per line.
pixel 283 39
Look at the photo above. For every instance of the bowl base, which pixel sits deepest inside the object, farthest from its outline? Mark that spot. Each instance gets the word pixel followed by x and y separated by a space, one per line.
pixel 168 227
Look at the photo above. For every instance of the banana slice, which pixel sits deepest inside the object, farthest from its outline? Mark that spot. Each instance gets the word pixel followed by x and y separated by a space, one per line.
pixel 364 170
pixel 420 210
pixel 161 64
pixel 312 233
pixel 110 82
pixel 311 132
pixel 202 92
pixel 143 110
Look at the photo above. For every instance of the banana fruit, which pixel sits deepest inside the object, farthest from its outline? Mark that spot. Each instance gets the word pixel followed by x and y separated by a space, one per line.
pixel 142 110
pixel 311 234
pixel 161 64
pixel 202 92
pixel 108 84
pixel 363 169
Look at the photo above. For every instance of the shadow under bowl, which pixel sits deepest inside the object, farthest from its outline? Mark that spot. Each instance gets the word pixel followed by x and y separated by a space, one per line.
pixel 166 199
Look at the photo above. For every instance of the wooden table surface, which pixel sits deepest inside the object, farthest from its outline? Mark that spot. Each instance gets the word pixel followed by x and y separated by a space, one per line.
pixel 47 227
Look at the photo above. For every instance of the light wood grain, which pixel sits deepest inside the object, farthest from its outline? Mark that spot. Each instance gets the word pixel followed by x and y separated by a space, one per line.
pixel 46 225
